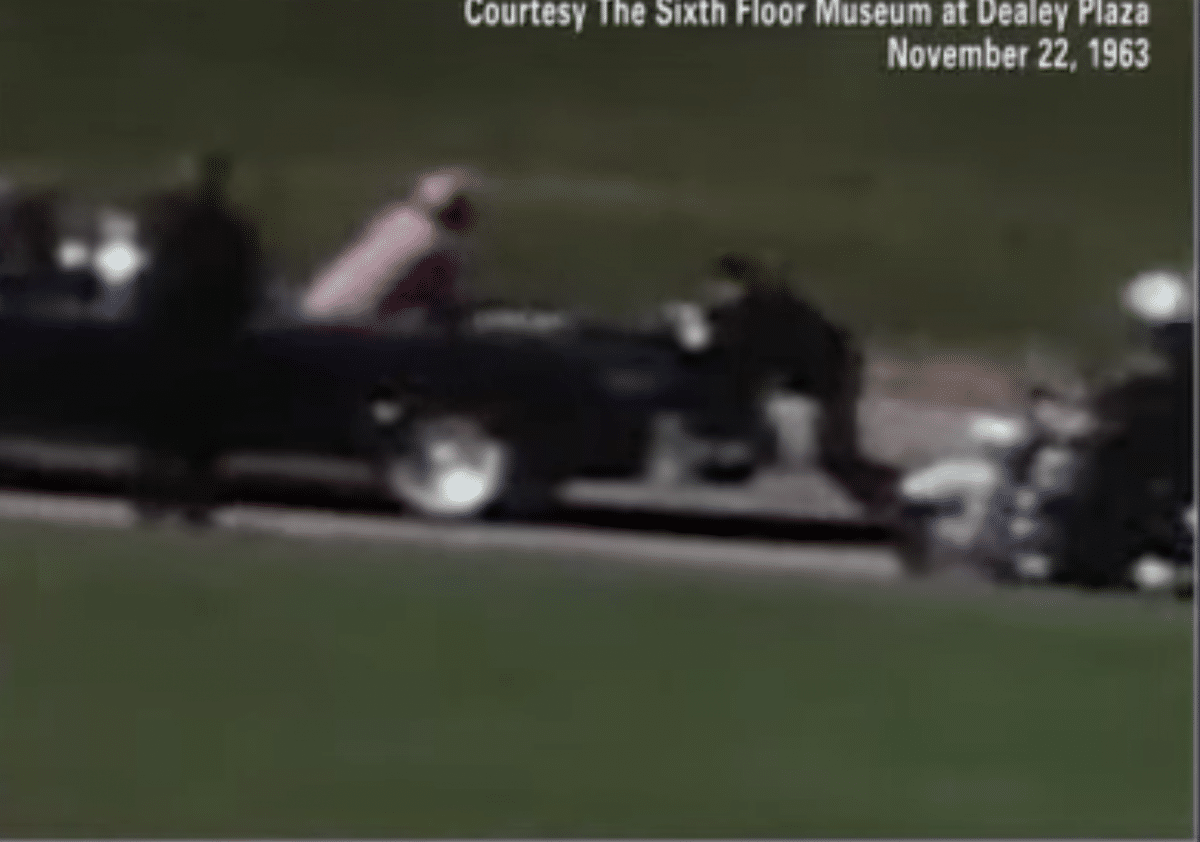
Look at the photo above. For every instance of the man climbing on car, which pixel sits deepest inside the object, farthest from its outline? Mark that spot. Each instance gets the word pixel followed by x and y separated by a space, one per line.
pixel 764 332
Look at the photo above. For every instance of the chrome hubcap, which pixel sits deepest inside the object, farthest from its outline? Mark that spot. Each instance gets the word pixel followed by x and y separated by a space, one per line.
pixel 454 469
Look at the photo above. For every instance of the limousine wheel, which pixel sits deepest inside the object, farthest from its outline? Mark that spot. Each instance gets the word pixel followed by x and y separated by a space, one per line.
pixel 451 467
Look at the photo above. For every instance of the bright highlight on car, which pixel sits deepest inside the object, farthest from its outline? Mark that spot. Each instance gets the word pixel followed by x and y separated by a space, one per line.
pixel 118 259
pixel 73 255
pixel 690 326
pixel 117 263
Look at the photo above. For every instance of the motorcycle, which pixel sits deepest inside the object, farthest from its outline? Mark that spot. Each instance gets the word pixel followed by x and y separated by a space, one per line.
pixel 952 512
pixel 1006 511
pixel 1099 495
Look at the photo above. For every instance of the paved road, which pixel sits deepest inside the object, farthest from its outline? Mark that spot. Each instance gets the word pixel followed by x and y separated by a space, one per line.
pixel 854 562
pixel 739 527
pixel 803 492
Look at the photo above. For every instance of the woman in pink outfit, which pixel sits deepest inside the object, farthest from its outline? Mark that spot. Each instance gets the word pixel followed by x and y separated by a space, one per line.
pixel 411 255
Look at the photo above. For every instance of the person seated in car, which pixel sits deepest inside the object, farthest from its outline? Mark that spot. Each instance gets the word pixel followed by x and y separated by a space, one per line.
pixel 412 254
pixel 764 330
pixel 28 240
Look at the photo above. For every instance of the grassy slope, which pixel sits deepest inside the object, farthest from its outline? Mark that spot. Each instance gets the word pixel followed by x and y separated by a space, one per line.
pixel 165 684
pixel 968 209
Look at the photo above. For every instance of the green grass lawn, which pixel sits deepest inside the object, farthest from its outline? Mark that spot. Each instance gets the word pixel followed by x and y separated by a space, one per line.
pixel 971 211
pixel 165 684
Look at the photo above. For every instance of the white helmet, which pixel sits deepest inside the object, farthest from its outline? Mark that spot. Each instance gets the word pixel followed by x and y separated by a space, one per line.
pixel 1160 297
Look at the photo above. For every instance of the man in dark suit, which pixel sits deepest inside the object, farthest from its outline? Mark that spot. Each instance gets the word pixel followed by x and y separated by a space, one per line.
pixel 195 296
pixel 765 335
pixel 206 260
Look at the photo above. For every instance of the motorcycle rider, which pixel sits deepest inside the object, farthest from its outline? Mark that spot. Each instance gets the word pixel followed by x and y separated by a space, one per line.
pixel 761 329
pixel 1138 478
pixel 193 299
pixel 412 254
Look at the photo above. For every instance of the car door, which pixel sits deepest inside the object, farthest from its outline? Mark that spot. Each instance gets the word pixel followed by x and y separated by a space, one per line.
pixel 63 378
pixel 306 389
